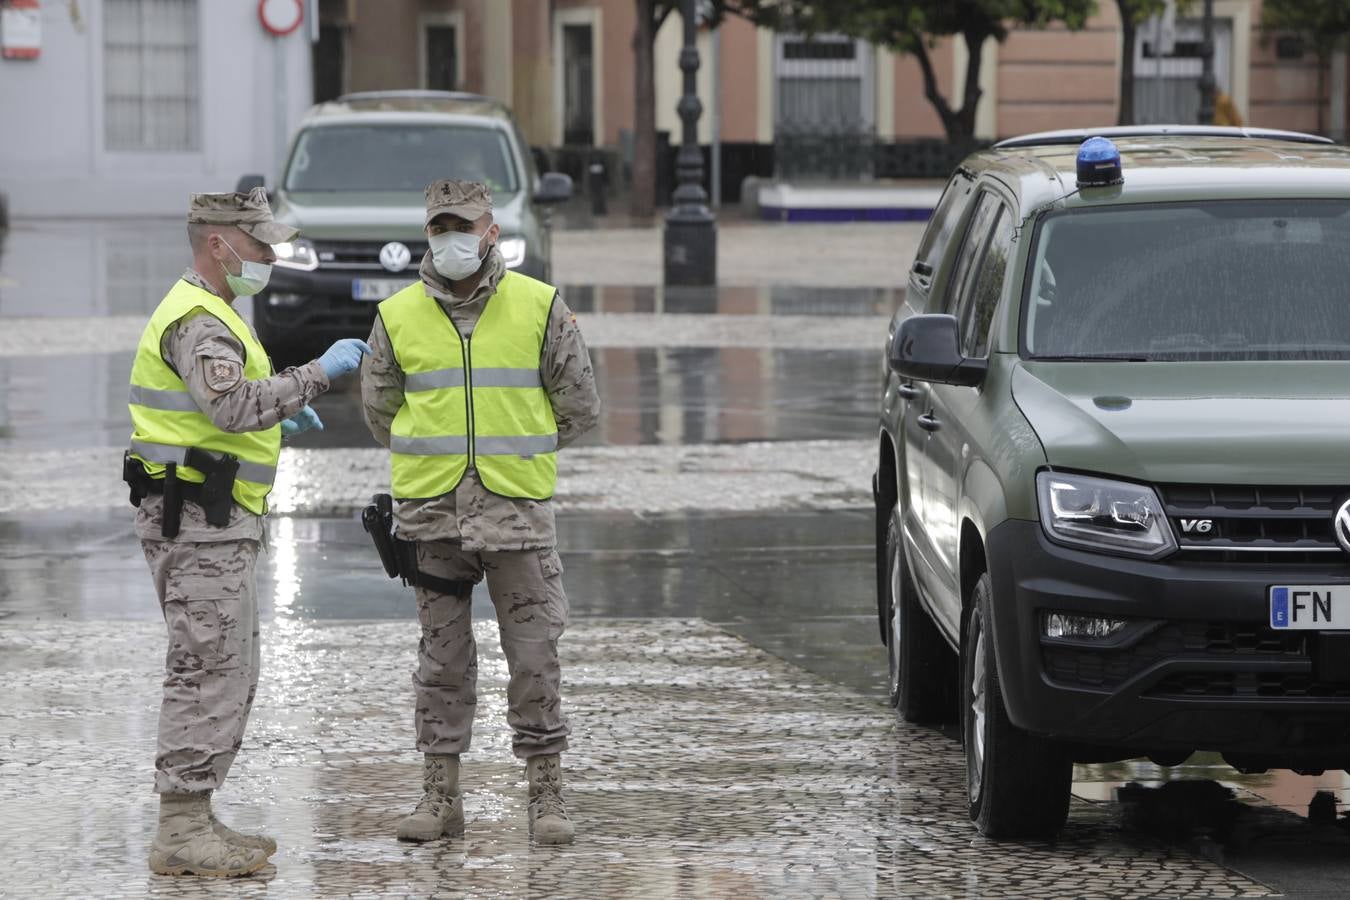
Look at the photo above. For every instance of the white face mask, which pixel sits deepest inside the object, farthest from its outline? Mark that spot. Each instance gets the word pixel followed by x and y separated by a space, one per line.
pixel 252 277
pixel 455 254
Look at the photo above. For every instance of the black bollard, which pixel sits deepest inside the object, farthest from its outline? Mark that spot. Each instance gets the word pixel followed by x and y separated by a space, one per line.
pixel 596 185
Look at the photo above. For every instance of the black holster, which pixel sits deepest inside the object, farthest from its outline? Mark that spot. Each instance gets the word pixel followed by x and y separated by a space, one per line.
pixel 217 491
pixel 399 557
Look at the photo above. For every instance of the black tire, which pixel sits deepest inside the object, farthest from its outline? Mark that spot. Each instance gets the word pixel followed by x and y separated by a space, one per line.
pixel 1018 784
pixel 923 670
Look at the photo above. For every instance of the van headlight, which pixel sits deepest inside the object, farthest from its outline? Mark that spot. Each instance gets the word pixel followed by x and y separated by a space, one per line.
pixel 512 250
pixel 1100 514
pixel 296 254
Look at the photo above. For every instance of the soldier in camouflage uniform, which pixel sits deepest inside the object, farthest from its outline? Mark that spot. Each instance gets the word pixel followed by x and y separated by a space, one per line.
pixel 203 575
pixel 472 533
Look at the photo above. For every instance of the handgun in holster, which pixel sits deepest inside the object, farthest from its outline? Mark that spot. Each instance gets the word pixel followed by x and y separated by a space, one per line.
pixel 378 521
pixel 399 557
pixel 216 495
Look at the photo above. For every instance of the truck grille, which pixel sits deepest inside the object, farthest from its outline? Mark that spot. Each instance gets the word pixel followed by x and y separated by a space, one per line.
pixel 363 254
pixel 1249 686
pixel 1094 667
pixel 1255 524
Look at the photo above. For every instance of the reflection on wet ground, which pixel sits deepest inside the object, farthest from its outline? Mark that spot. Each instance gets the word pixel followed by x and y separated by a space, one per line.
pixel 123 268
pixel 651 396
pixel 773 300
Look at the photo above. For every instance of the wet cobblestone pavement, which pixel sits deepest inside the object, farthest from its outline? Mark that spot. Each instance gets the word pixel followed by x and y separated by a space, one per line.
pixel 700 767
pixel 723 672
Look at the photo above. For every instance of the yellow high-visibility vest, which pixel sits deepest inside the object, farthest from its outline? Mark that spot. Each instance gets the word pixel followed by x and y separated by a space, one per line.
pixel 476 401
pixel 166 420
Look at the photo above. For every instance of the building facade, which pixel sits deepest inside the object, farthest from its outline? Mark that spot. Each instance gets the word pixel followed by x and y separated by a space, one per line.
pixel 130 105
pixel 152 99
pixel 566 66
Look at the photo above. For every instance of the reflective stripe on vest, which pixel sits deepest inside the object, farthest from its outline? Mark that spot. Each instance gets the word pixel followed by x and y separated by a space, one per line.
pixel 493 414
pixel 166 420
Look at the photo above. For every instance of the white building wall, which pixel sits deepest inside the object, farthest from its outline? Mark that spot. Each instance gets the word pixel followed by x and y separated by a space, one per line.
pixel 53 162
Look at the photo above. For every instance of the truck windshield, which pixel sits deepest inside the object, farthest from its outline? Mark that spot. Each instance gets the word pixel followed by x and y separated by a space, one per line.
pixel 405 158
pixel 1224 280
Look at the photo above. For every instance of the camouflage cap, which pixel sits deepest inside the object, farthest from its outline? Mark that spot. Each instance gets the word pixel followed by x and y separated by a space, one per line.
pixel 250 213
pixel 465 199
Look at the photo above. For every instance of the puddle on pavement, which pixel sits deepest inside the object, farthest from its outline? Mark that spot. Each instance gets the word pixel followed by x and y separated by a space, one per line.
pixel 650 396
pixel 120 268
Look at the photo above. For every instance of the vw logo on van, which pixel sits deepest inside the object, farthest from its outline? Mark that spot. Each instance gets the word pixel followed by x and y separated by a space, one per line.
pixel 395 256
pixel 1342 526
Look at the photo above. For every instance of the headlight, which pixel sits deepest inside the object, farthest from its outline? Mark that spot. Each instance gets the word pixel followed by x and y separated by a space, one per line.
pixel 297 254
pixel 1099 514
pixel 512 250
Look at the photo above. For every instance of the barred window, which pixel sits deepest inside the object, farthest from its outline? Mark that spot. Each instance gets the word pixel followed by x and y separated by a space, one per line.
pixel 151 84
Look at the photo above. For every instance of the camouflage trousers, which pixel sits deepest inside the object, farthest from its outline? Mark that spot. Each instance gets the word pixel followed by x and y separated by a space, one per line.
pixel 526 588
pixel 210 606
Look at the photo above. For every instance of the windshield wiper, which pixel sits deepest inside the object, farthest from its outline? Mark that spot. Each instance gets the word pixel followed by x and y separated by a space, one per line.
pixel 1089 358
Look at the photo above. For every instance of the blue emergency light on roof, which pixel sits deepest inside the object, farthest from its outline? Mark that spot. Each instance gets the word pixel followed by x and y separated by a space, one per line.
pixel 1098 163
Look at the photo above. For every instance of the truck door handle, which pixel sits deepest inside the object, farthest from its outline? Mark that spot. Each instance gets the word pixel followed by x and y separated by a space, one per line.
pixel 928 423
pixel 909 391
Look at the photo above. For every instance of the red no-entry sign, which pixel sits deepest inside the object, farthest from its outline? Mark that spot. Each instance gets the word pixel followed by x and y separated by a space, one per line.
pixel 280 17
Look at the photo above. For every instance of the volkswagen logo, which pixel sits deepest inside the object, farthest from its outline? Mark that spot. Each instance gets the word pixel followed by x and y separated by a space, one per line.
pixel 395 256
pixel 1342 526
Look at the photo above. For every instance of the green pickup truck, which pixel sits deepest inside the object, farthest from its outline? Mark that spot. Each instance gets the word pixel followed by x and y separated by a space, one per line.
pixel 353 184
pixel 1113 480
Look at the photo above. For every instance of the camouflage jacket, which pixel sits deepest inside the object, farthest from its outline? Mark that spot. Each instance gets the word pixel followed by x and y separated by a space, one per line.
pixel 472 515
pixel 210 360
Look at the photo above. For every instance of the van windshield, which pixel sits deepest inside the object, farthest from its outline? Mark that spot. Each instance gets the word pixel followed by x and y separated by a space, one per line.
pixel 1223 280
pixel 401 158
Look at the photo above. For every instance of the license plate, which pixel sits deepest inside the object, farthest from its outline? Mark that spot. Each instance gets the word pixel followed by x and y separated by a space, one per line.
pixel 376 288
pixel 1321 607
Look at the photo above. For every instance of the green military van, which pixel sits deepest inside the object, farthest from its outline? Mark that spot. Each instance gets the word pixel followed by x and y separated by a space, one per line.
pixel 353 184
pixel 1113 479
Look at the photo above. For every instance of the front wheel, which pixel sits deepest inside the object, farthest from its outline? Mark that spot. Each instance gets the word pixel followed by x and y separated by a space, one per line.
pixel 1018 783
pixel 922 667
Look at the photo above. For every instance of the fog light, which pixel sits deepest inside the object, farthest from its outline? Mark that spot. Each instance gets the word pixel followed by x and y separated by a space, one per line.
pixel 1064 625
pixel 285 299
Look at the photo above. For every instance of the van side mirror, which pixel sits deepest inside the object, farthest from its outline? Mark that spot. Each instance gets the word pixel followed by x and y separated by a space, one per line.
pixel 928 348
pixel 249 182
pixel 554 187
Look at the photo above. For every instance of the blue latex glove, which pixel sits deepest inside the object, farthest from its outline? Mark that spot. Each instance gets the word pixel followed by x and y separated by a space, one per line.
pixel 304 420
pixel 342 357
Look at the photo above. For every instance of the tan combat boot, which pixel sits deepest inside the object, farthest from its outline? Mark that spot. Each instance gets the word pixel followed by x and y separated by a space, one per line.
pixel 186 844
pixel 249 841
pixel 548 815
pixel 441 810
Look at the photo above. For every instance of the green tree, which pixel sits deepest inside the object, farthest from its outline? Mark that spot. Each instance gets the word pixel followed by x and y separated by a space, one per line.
pixel 1133 13
pixel 914 26
pixel 905 26
pixel 1323 24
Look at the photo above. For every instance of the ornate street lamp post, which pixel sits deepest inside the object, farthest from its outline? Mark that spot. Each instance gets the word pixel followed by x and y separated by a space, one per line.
pixel 691 228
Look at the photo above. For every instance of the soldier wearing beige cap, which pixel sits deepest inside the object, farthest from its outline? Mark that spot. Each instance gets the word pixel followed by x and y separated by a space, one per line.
pixel 477 377
pixel 208 416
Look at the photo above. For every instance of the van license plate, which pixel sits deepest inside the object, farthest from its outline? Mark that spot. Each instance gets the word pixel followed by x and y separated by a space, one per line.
pixel 376 288
pixel 1321 607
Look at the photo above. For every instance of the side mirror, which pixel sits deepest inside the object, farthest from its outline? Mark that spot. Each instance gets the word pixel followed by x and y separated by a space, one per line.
pixel 247 183
pixel 554 187
pixel 928 348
